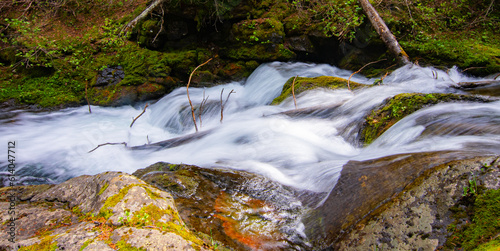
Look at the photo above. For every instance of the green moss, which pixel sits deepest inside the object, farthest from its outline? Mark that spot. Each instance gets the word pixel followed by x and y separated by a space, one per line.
pixel 402 105
pixel 85 244
pixel 484 227
pixel 303 84
pixel 46 244
pixel 106 210
pixel 493 245
pixel 46 91
pixel 123 245
pixel 462 52
pixel 103 188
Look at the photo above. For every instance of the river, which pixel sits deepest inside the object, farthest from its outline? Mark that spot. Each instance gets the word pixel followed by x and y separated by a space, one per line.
pixel 305 151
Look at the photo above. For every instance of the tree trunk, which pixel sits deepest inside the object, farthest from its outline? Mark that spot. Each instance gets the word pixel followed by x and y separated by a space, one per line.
pixel 143 14
pixel 384 32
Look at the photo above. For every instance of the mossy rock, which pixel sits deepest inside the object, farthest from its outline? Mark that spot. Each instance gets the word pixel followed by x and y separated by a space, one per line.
pixel 257 31
pixel 260 52
pixel 484 225
pixel 401 105
pixel 304 84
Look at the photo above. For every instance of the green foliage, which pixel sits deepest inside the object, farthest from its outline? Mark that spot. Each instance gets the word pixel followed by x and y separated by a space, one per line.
pixel 471 189
pixel 336 18
pixel 484 226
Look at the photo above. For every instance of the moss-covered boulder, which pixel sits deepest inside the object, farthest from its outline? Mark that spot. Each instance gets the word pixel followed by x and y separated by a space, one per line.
pixel 304 84
pixel 401 105
pixel 107 211
pixel 258 39
pixel 400 202
pixel 452 206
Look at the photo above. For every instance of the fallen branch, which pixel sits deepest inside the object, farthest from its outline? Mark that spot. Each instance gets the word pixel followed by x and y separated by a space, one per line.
pixel 223 104
pixel 187 90
pixel 360 69
pixel 495 78
pixel 293 91
pixel 144 13
pixel 383 31
pixel 105 144
pixel 143 111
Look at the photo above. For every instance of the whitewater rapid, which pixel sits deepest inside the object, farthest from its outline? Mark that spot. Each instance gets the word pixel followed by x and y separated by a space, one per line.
pixel 306 151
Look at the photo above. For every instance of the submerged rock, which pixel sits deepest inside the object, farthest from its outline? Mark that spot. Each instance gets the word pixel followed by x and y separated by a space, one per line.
pixel 304 84
pixel 105 211
pixel 401 105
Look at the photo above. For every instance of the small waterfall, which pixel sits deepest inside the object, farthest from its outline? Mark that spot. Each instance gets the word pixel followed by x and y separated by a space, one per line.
pixel 306 149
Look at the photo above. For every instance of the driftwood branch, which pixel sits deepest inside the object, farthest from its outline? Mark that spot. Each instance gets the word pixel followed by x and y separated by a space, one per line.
pixel 105 144
pixel 143 111
pixel 360 69
pixel 293 91
pixel 187 90
pixel 383 31
pixel 223 104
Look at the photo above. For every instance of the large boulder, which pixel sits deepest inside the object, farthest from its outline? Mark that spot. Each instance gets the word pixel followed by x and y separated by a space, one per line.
pixel 101 212
pixel 402 202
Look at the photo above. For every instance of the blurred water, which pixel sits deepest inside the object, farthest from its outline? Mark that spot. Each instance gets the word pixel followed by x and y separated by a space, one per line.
pixel 306 150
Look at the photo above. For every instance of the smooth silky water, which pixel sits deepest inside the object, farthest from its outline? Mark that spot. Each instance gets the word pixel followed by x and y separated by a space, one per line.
pixel 305 150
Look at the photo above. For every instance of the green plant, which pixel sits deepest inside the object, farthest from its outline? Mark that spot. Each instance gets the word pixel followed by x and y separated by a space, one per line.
pixel 471 189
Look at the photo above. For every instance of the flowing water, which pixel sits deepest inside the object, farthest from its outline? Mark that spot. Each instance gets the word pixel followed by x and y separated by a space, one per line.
pixel 305 150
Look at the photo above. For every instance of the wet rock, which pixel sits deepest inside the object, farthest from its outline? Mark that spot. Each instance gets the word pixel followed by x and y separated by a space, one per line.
pixel 410 196
pixel 421 216
pixel 241 210
pixel 304 84
pixel 485 87
pixel 110 76
pixel 300 44
pixel 84 211
pixel 401 105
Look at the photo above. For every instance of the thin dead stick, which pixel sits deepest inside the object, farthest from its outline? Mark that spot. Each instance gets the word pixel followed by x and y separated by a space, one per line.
pixel 187 90
pixel 360 69
pixel 143 111
pixel 203 102
pixel 470 68
pixel 161 27
pixel 495 78
pixel 223 104
pixel 293 91
pixel 105 144
pixel 87 96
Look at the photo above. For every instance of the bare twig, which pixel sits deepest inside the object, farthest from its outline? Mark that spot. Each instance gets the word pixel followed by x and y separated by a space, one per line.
pixel 360 69
pixel 293 91
pixel 161 27
pixel 470 68
pixel 86 95
pixel 223 104
pixel 105 144
pixel 187 90
pixel 143 111
pixel 203 102
pixel 495 78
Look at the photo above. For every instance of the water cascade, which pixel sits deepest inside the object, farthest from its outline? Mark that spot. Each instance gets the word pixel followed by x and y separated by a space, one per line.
pixel 303 149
